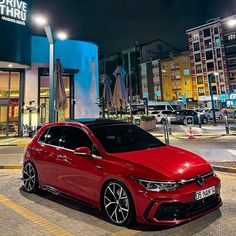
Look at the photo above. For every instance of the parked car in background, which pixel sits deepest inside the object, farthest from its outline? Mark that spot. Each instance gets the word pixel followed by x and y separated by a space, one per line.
pixel 209 114
pixel 182 116
pixel 122 170
pixel 161 106
pixel 161 116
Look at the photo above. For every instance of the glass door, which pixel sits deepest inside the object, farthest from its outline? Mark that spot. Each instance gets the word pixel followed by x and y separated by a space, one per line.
pixel 9 103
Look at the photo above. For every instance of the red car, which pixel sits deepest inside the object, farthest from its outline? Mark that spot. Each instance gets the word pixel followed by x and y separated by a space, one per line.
pixel 122 169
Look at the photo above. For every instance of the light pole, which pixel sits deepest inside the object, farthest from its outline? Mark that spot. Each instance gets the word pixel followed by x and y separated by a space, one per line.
pixel 211 93
pixel 42 21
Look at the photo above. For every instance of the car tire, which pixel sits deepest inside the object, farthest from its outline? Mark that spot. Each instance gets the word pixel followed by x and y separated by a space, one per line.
pixel 118 203
pixel 204 120
pixel 30 177
pixel 184 121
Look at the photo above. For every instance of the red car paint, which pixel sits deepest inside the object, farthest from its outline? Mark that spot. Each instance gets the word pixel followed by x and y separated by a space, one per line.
pixel 81 178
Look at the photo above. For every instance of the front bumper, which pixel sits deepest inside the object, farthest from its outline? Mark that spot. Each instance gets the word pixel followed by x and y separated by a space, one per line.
pixel 169 209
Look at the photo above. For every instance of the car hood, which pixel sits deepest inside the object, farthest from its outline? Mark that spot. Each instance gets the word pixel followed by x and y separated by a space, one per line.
pixel 170 162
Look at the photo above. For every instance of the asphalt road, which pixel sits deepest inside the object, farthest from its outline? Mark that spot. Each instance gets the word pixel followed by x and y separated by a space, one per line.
pixel 46 214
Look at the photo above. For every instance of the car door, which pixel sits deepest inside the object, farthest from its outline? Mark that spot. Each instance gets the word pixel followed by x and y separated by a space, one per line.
pixel 78 175
pixel 46 159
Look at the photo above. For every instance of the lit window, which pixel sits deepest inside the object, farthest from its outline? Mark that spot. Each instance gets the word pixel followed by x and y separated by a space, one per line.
pixel 201 91
pixel 231 37
pixel 195 37
pixel 217 41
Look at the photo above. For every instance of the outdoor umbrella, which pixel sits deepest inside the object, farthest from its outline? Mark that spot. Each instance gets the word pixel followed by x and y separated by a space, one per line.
pixel 60 92
pixel 107 95
pixel 120 96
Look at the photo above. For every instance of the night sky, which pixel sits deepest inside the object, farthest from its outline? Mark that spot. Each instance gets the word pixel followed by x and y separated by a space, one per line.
pixel 117 24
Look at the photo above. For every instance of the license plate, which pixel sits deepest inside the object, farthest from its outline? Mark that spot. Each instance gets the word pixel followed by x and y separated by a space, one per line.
pixel 204 193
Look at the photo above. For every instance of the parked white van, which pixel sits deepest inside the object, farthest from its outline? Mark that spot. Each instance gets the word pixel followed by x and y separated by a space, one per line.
pixel 161 106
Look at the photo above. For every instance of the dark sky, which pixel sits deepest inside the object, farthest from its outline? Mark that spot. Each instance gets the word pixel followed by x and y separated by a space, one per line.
pixel 117 24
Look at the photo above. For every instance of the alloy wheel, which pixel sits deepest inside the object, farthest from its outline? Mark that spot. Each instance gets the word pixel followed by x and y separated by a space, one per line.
pixel 117 203
pixel 29 177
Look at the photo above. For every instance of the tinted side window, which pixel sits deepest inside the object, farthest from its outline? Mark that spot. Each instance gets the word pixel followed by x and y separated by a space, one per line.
pixel 166 112
pixel 54 135
pixel 74 137
pixel 43 137
pixel 160 107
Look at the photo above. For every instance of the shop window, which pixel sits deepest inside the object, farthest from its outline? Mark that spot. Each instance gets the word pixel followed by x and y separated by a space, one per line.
pixel 218 53
pixel 210 66
pixel 207 32
pixel 209 55
pixel 198 69
pixel 44 100
pixel 196 46
pixel 200 79
pixel 217 41
pixel 201 91
pixel 197 57
pixel 208 43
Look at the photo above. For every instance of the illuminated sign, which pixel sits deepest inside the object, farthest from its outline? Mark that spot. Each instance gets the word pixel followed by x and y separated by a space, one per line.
pixel 13 11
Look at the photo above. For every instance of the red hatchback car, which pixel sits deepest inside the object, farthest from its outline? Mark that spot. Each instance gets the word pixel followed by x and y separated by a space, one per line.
pixel 122 169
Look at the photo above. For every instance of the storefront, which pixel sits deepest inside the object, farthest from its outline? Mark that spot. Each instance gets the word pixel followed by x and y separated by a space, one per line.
pixel 24 74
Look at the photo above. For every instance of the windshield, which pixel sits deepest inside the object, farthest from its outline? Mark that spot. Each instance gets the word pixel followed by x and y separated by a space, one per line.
pixel 124 138
pixel 176 107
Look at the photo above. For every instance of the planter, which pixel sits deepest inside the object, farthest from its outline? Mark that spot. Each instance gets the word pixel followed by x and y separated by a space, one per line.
pixel 148 125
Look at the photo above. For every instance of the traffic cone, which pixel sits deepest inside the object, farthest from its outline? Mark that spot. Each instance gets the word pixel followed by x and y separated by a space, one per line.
pixel 190 133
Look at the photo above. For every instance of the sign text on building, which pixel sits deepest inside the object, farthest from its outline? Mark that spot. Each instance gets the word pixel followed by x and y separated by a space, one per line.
pixel 13 11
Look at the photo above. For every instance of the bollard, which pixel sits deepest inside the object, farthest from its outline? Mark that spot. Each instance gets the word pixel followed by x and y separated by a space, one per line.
pixel 166 134
pixel 169 125
pixel 226 124
pixel 199 120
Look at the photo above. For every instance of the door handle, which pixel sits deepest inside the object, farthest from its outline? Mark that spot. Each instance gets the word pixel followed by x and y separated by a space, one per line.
pixel 63 158
pixel 38 150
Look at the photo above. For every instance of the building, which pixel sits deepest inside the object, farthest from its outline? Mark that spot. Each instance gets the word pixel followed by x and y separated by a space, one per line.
pixel 141 63
pixel 177 79
pixel 130 60
pixel 207 50
pixel 229 30
pixel 151 80
pixel 151 54
pixel 24 75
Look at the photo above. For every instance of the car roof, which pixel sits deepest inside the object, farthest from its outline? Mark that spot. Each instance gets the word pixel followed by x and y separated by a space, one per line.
pixel 96 121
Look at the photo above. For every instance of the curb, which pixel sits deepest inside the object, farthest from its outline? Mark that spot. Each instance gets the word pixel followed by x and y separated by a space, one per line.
pixel 224 169
pixel 10 167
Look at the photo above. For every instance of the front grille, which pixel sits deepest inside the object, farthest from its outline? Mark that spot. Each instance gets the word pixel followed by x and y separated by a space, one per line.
pixel 178 210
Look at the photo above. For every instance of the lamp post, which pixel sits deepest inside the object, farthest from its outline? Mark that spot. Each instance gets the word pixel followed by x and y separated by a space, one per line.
pixel 211 93
pixel 42 21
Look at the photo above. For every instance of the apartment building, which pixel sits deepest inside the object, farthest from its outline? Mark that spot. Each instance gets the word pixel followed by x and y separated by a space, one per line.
pixel 177 80
pixel 212 48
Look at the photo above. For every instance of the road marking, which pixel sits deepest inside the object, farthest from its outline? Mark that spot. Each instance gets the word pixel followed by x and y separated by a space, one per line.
pixel 35 218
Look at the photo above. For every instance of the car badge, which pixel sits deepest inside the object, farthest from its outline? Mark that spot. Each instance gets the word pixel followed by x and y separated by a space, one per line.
pixel 200 180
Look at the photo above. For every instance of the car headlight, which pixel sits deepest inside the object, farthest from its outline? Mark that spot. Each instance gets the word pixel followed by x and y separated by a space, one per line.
pixel 158 186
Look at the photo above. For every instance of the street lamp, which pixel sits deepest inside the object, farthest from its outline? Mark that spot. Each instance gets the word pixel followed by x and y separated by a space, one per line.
pixel 42 21
pixel 211 93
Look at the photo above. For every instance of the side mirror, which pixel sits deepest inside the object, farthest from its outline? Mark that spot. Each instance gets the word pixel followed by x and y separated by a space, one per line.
pixel 83 151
